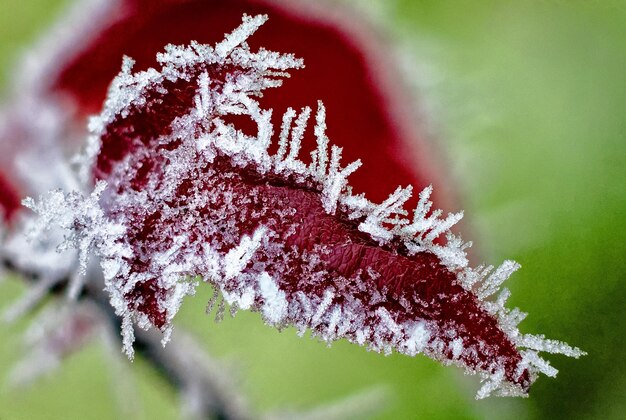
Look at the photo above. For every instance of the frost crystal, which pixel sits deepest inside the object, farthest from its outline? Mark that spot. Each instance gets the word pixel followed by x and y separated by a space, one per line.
pixel 184 190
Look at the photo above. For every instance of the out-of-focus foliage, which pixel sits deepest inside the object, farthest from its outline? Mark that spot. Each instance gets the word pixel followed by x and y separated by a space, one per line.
pixel 528 102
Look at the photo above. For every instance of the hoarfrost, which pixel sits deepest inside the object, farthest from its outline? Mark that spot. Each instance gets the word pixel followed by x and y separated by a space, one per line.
pixel 148 274
pixel 275 303
pixel 236 259
pixel 417 340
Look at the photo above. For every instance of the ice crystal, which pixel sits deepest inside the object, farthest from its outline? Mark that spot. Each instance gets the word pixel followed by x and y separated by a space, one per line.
pixel 184 190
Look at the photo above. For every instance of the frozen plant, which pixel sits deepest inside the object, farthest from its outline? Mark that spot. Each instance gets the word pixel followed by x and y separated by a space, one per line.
pixel 185 177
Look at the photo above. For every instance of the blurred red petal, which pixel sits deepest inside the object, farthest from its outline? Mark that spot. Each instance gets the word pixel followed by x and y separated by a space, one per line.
pixel 9 199
pixel 346 68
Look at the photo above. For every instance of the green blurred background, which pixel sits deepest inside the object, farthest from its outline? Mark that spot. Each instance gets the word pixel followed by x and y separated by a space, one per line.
pixel 528 100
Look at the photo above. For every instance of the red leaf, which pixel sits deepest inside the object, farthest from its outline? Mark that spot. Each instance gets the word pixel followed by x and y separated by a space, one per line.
pixel 199 194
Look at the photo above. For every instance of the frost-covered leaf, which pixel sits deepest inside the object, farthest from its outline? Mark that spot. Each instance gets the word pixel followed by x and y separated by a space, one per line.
pixel 193 191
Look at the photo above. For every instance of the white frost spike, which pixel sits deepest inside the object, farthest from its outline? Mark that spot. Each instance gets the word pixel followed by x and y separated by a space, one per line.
pixel 532 358
pixel 204 104
pixel 456 346
pixel 128 336
pixel 237 258
pixel 504 295
pixel 71 210
pixel 285 128
pixel 382 213
pixel 492 383
pixel 388 321
pixel 334 320
pixel 541 343
pixel 297 133
pixel 76 283
pixel 336 180
pixel 275 303
pixel 421 224
pixel 239 35
pixel 320 156
pixel 495 280
pixel 444 225
pixel 511 319
pixel 469 277
pixel 323 306
pixel 417 340
pixel 265 129
pixel 424 204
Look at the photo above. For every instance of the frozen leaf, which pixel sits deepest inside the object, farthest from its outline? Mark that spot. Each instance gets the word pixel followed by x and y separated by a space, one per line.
pixel 192 191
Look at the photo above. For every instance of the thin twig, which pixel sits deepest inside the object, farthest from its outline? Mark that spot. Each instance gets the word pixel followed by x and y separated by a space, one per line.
pixel 207 391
